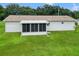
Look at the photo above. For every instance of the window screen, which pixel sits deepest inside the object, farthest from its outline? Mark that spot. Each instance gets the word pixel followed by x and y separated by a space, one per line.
pixel 25 27
pixel 34 27
pixel 42 27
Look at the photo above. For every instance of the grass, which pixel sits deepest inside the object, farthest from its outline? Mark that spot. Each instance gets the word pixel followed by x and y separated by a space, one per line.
pixel 65 43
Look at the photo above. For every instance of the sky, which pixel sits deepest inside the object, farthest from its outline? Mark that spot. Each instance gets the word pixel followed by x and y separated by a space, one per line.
pixel 71 6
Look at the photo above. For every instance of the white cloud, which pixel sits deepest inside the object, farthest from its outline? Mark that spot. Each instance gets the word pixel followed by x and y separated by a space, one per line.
pixel 75 7
pixel 50 3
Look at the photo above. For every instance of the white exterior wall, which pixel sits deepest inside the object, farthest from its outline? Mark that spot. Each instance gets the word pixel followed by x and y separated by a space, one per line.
pixel 53 26
pixel 12 27
pixel 58 26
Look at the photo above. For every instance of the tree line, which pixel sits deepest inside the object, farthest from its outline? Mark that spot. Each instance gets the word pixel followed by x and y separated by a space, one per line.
pixel 15 9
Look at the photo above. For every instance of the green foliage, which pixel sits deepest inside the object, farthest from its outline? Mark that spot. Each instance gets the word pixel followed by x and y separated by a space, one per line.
pixel 76 14
pixel 27 11
pixel 1 13
pixel 47 10
pixel 12 9
pixel 15 9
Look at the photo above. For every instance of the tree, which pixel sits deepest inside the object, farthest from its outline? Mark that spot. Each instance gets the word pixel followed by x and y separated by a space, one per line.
pixel 12 9
pixel 1 13
pixel 45 10
pixel 48 10
pixel 75 14
pixel 27 11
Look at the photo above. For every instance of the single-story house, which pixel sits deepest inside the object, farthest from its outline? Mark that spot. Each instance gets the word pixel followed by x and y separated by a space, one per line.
pixel 38 24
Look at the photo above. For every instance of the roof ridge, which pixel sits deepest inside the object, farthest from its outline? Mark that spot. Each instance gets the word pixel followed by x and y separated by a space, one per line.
pixel 41 15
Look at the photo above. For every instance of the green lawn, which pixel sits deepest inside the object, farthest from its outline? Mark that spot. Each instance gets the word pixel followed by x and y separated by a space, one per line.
pixel 57 43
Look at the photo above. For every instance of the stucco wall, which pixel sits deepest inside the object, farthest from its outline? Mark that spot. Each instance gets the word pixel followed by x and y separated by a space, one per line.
pixel 58 26
pixel 12 27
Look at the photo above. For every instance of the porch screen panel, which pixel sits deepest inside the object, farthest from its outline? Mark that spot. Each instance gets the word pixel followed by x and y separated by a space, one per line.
pixel 36 28
pixel 27 27
pixel 42 27
pixel 23 27
pixel 32 27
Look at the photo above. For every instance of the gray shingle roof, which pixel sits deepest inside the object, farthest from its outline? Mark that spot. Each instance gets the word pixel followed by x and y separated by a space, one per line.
pixel 38 17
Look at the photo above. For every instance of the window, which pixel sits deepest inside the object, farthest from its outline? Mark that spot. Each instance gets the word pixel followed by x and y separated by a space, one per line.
pixel 42 27
pixel 34 27
pixel 25 27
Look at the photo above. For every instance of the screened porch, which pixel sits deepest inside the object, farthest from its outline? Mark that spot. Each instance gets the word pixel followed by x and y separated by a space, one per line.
pixel 34 28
